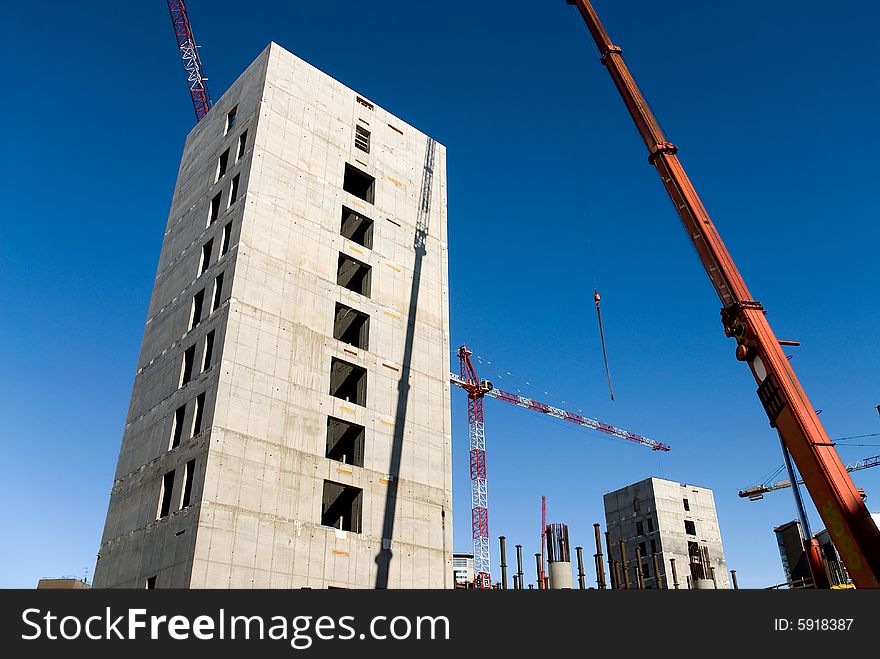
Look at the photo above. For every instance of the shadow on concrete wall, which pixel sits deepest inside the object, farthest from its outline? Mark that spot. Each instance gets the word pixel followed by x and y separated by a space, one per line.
pixel 386 554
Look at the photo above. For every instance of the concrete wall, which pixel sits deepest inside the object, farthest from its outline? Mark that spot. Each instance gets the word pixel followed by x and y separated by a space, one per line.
pixel 261 465
pixel 662 502
pixel 136 545
pixel 560 575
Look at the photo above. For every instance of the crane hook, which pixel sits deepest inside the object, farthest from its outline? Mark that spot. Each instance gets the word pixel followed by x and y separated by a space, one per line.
pixel 597 298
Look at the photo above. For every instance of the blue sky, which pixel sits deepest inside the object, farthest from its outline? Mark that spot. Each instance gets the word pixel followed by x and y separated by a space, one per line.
pixel 550 195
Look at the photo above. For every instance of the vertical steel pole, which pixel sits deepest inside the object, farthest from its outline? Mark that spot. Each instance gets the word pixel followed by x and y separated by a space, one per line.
pixel 674 574
pixel 503 563
pixel 600 566
pixel 519 570
pixel 612 568
pixel 580 554
pixel 640 577
pixel 658 579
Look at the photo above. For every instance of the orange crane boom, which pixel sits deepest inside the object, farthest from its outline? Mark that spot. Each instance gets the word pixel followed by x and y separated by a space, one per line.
pixel 789 410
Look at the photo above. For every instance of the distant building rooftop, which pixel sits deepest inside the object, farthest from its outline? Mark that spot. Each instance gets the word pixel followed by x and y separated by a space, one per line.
pixel 62 583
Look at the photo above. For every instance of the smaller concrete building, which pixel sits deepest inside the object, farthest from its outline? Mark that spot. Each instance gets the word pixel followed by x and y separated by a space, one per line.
pixel 673 527
pixel 463 570
pixel 790 539
pixel 62 583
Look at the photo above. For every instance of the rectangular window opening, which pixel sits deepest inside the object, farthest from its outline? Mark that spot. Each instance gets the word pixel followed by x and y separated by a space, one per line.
pixel 348 382
pixel 198 303
pixel 189 473
pixel 233 193
pixel 151 583
pixel 189 357
pixel 365 103
pixel 345 442
pixel 650 525
pixel 227 237
pixel 177 426
pixel 357 228
pixel 640 528
pixel 689 527
pixel 165 495
pixel 223 164
pixel 643 549
pixel 218 293
pixel 653 546
pixel 215 209
pixel 351 327
pixel 209 351
pixel 362 138
pixel 635 505
pixel 242 145
pixel 353 275
pixel 359 183
pixel 687 505
pixel 230 119
pixel 341 507
pixel 207 248
pixel 198 414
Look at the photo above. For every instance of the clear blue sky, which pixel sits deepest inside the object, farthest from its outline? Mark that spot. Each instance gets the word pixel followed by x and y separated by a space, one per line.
pixel 773 106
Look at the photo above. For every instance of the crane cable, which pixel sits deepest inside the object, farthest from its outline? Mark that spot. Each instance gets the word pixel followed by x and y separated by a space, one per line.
pixel 602 336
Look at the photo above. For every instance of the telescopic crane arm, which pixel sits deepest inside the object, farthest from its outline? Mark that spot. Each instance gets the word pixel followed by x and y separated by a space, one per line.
pixel 789 410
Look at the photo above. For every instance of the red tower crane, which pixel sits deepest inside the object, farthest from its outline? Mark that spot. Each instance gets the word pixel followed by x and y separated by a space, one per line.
pixel 476 390
pixel 783 397
pixel 189 54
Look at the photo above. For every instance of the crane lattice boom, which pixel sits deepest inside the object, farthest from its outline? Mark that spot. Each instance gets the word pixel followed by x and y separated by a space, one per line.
pixel 476 390
pixel 557 413
pixel 189 54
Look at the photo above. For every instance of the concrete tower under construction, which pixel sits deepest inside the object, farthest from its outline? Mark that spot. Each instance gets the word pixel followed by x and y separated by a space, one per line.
pixel 289 424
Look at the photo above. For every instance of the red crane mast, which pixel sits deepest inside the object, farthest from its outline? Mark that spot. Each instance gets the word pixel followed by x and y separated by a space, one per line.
pixel 789 410
pixel 189 54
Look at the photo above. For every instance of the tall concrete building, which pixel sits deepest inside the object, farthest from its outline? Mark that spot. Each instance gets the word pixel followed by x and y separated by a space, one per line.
pixel 669 520
pixel 289 423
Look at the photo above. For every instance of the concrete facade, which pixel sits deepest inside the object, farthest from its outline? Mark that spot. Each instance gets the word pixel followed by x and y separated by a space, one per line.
pixel 463 570
pixel 672 520
pixel 289 424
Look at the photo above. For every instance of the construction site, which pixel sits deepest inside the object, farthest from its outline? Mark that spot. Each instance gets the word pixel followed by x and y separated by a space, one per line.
pixel 298 394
